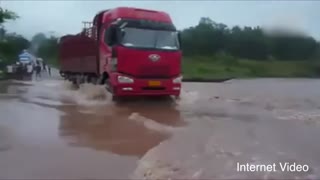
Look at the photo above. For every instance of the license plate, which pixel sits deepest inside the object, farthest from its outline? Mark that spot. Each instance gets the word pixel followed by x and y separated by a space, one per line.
pixel 154 83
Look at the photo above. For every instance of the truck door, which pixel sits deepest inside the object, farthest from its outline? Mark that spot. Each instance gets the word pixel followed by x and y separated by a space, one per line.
pixel 98 29
pixel 105 50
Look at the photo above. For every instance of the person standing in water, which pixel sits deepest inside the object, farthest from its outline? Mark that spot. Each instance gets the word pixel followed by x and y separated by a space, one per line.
pixel 38 70
pixel 44 66
pixel 49 70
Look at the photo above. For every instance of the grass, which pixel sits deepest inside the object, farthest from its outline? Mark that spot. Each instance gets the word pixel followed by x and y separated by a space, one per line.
pixel 225 67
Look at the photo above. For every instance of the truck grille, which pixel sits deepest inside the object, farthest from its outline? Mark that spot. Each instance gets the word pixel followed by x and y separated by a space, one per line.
pixel 154 72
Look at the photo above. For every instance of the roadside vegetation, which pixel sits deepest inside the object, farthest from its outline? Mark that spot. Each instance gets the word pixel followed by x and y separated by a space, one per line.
pixel 211 50
pixel 221 67
pixel 5 15
pixel 12 44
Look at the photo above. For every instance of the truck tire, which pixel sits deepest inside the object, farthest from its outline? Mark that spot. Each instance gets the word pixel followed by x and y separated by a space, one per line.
pixel 178 97
pixel 108 86
pixel 101 80
pixel 115 98
pixel 74 83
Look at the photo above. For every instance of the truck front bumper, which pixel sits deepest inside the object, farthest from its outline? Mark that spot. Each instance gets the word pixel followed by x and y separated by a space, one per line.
pixel 145 87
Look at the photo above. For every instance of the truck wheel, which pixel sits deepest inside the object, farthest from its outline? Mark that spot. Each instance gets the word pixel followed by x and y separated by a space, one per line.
pixel 115 98
pixel 87 79
pixel 74 83
pixel 78 80
pixel 101 81
pixel 177 97
pixel 94 80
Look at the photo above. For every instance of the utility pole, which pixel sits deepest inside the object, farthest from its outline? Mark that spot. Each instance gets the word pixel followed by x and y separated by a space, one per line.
pixel 87 23
pixel 87 28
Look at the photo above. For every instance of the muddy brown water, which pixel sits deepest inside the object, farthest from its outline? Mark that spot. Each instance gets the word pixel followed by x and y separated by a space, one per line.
pixel 50 131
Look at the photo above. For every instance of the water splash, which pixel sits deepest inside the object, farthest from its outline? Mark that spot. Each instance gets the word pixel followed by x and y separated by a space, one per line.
pixel 86 94
pixel 56 92
pixel 152 125
pixel 188 97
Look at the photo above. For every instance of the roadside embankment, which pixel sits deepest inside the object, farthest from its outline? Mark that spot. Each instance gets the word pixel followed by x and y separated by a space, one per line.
pixel 213 69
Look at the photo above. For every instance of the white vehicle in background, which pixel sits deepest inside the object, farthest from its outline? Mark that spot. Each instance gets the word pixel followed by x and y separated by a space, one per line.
pixel 23 68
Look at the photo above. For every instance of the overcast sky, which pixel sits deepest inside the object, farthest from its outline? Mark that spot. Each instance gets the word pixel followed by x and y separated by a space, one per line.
pixel 66 16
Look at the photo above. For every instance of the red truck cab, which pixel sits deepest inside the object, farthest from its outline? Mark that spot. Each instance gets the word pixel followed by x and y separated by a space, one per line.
pixel 137 51
pixel 141 51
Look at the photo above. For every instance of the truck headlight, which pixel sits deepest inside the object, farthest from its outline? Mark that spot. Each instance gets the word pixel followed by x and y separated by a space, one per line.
pixel 125 79
pixel 177 80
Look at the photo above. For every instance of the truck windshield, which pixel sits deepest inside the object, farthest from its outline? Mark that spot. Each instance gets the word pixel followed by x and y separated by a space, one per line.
pixel 153 39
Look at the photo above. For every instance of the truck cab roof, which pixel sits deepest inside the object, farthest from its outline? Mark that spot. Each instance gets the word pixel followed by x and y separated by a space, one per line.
pixel 135 13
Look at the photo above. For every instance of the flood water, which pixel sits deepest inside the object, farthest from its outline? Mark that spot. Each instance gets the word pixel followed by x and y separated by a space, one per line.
pixel 48 130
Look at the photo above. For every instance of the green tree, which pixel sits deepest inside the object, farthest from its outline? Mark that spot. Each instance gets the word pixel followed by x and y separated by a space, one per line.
pixel 7 15
pixel 48 49
pixel 12 46
pixel 209 38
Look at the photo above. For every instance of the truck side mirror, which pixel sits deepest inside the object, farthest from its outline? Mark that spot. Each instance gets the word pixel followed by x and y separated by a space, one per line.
pixel 111 36
pixel 179 39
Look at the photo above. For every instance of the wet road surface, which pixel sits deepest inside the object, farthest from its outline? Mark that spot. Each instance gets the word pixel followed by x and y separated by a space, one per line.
pixel 50 131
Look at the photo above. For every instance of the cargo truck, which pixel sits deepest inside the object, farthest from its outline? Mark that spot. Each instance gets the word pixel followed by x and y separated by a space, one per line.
pixel 131 51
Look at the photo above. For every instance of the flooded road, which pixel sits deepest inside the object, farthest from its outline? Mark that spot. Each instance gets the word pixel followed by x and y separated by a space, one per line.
pixel 50 131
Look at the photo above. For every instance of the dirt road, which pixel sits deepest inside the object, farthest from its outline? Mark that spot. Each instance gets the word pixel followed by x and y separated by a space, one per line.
pixel 48 130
